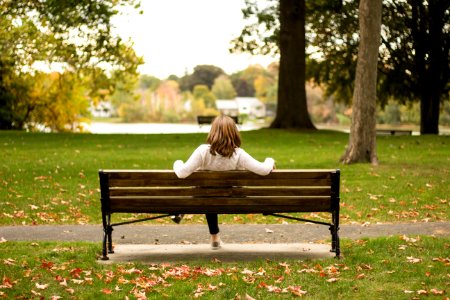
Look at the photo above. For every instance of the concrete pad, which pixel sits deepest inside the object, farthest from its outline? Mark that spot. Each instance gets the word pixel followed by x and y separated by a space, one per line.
pixel 228 253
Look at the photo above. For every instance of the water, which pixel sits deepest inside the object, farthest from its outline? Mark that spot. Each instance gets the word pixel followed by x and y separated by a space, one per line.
pixel 154 128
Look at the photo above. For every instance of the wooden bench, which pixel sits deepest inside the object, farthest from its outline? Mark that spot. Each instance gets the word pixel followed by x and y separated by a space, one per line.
pixel 202 120
pixel 394 132
pixel 228 192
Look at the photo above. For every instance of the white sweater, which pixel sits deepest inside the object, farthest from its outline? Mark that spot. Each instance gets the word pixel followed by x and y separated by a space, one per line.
pixel 202 159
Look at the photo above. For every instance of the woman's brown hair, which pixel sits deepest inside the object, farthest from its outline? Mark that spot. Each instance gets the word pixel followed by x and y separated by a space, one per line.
pixel 224 136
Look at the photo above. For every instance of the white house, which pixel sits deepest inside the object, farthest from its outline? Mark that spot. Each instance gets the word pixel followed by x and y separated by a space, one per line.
pixel 103 109
pixel 227 107
pixel 242 106
pixel 251 106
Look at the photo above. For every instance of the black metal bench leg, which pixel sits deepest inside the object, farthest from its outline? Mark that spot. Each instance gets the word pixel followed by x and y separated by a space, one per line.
pixel 334 229
pixel 105 236
pixel 109 233
pixel 338 247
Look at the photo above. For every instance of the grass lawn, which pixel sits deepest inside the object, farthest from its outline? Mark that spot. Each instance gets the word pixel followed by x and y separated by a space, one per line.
pixel 381 268
pixel 53 178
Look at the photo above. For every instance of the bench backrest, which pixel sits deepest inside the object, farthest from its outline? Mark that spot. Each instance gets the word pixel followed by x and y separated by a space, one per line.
pixel 160 191
pixel 210 119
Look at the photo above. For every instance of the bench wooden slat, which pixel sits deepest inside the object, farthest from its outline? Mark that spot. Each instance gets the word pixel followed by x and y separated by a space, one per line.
pixel 218 192
pixel 225 210
pixel 170 175
pixel 219 182
pixel 182 201
pixel 222 205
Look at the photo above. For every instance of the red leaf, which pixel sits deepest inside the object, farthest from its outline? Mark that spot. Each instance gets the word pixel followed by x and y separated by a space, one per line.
pixel 46 265
pixel 76 272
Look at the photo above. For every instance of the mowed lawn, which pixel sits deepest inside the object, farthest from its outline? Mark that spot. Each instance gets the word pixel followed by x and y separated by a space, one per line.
pixel 53 178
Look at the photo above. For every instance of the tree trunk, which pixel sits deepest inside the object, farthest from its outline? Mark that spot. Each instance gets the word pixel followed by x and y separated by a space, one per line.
pixel 292 109
pixel 362 140
pixel 431 56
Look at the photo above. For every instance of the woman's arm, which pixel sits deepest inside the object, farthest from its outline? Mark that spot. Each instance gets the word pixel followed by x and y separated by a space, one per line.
pixel 247 162
pixel 183 170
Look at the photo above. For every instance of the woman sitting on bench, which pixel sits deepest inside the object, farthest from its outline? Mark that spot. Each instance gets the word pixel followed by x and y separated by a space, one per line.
pixel 221 153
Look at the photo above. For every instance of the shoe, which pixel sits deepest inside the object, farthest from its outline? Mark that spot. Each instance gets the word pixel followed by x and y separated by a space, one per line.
pixel 177 218
pixel 216 245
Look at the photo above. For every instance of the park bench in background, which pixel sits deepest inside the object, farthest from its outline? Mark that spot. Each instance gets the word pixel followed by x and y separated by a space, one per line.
pixel 226 192
pixel 202 120
pixel 394 132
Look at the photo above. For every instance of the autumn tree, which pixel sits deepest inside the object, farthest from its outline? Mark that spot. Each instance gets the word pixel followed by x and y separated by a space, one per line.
pixel 75 35
pixel 223 88
pixel 362 140
pixel 203 94
pixel 244 80
pixel 202 75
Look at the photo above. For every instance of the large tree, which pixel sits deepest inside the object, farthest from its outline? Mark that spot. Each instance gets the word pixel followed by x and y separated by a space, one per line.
pixel 202 75
pixel 413 57
pixel 286 24
pixel 75 34
pixel 362 141
pixel 292 109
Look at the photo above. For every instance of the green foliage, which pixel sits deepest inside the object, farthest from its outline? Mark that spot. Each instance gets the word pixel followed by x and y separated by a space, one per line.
pixel 244 81
pixel 391 114
pixel 202 94
pixel 223 88
pixel 413 54
pixel 202 75
pixel 260 35
pixel 149 82
pixel 53 28
pixel 74 35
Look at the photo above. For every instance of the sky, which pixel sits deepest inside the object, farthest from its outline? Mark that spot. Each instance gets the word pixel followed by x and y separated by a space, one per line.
pixel 174 36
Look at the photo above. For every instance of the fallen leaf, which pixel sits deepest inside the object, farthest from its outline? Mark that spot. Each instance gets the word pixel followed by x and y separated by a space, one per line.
pixel 41 286
pixel 413 260
pixel 296 290
pixel 437 292
pixel 247 272
pixel 334 279
pixel 9 261
pixel 269 230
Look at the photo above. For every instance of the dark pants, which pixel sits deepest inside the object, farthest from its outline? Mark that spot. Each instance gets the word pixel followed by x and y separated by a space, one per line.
pixel 213 223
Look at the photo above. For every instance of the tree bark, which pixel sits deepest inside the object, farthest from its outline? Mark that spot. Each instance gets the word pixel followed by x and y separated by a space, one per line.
pixel 292 109
pixel 431 57
pixel 362 139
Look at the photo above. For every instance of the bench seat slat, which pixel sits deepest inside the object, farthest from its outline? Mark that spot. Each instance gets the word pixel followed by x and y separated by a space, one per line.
pixel 224 192
pixel 224 210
